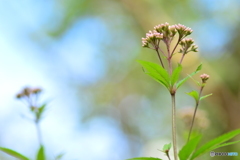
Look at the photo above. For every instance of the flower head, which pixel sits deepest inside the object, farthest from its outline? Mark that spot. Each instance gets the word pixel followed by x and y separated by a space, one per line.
pixel 188 45
pixel 183 31
pixel 26 92
pixel 167 30
pixel 204 77
pixel 152 37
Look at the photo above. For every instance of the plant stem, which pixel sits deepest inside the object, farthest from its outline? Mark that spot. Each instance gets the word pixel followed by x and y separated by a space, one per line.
pixel 170 66
pixel 160 58
pixel 182 58
pixel 179 39
pixel 194 114
pixel 168 156
pixel 38 132
pixel 169 58
pixel 174 133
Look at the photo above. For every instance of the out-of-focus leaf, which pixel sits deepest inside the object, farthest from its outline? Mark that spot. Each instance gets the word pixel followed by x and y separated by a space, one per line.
pixel 167 147
pixel 189 147
pixel 41 109
pixel 58 157
pixel 215 142
pixel 144 158
pixel 225 144
pixel 14 153
pixel 201 98
pixel 41 154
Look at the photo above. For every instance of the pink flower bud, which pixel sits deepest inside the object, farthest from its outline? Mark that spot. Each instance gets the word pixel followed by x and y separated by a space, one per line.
pixel 204 77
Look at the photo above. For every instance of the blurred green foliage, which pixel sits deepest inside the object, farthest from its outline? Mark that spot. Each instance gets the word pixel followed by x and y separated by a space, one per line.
pixel 124 93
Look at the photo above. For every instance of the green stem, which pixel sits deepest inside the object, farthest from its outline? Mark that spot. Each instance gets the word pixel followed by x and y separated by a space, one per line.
pixel 38 132
pixel 174 133
pixel 194 114
pixel 168 156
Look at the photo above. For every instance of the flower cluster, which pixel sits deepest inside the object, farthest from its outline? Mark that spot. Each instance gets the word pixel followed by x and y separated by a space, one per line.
pixel 27 92
pixel 166 33
pixel 188 45
pixel 153 38
pixel 30 96
pixel 183 31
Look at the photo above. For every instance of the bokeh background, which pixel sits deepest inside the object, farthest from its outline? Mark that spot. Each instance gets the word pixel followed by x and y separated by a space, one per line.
pixel 102 106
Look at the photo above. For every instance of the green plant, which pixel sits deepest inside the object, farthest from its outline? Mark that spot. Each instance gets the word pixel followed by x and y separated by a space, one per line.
pixel 30 97
pixel 167 74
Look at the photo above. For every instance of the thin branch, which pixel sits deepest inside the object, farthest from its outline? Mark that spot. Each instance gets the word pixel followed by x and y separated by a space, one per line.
pixel 194 114
pixel 38 132
pixel 168 156
pixel 182 58
pixel 159 57
pixel 179 39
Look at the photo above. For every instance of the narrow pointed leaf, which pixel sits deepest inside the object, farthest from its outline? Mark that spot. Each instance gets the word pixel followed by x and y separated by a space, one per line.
pixel 194 94
pixel 215 142
pixel 205 96
pixel 144 158
pixel 14 153
pixel 41 154
pixel 175 74
pixel 189 147
pixel 199 67
pixel 224 144
pixel 186 78
pixel 157 71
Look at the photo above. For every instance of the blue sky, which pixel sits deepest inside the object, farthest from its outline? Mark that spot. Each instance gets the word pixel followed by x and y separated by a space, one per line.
pixel 24 63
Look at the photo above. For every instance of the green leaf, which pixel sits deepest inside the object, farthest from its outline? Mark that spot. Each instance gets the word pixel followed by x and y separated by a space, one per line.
pixel 41 154
pixel 144 158
pixel 189 147
pixel 58 157
pixel 157 72
pixel 40 111
pixel 14 153
pixel 167 147
pixel 194 94
pixel 225 144
pixel 186 78
pixel 175 74
pixel 42 108
pixel 215 142
pixel 199 68
pixel 158 79
pixel 205 96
